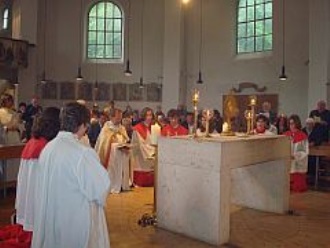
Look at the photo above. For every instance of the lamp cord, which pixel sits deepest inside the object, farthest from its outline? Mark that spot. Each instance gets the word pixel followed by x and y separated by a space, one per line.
pixel 142 13
pixel 128 26
pixel 283 30
pixel 200 34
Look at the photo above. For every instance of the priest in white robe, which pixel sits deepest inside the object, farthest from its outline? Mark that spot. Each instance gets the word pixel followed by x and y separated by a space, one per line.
pixel 71 191
pixel 113 150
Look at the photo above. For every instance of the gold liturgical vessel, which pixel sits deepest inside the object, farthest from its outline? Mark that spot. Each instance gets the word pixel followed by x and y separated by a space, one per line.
pixel 230 111
pixel 250 114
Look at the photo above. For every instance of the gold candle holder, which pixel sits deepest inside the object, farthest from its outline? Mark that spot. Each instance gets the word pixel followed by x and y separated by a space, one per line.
pixel 195 101
pixel 208 115
pixel 248 117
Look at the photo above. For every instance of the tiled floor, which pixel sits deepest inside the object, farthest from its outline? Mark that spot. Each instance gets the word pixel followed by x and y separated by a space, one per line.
pixel 308 227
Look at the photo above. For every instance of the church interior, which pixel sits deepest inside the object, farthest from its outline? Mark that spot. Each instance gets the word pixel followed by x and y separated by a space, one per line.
pixel 193 56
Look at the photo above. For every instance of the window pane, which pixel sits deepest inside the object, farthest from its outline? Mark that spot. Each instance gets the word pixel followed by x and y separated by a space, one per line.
pixel 117 12
pixel 259 44
pixel 91 37
pixel 250 44
pixel 268 42
pixel 250 2
pixel 109 38
pixel 100 24
pixel 241 46
pixel 268 26
pixel 241 30
pixel 92 23
pixel 268 10
pixel 100 10
pixel 5 23
pixel 117 26
pixel 250 13
pixel 242 3
pixel 100 38
pixel 259 27
pixel 91 53
pixel 109 10
pixel 109 52
pixel 109 24
pixel 100 50
pixel 259 1
pixel 250 29
pixel 242 15
pixel 5 14
pixel 117 38
pixel 92 12
pixel 117 51
pixel 260 11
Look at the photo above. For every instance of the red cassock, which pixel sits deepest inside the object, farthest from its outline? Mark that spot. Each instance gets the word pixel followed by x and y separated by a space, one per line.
pixel 298 181
pixel 168 130
pixel 142 129
pixel 14 235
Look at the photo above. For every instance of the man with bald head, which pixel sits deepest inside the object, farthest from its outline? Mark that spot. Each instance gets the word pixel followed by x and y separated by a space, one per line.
pixel 321 116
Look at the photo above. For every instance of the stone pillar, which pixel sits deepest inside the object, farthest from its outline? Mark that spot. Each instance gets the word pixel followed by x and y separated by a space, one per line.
pixel 173 87
pixel 319 51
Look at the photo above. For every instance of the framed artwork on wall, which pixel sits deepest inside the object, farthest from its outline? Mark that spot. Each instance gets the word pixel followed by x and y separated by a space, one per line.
pixel 49 90
pixel 67 90
pixel 135 92
pixel 103 92
pixel 85 91
pixel 119 92
pixel 154 92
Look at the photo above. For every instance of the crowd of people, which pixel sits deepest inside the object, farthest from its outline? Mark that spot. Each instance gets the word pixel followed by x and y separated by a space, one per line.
pixel 75 156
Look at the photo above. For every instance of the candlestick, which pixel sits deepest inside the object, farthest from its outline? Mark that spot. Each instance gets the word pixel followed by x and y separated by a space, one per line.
pixel 195 100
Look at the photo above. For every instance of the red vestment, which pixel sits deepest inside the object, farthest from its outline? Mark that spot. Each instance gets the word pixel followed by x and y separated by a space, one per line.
pixel 169 130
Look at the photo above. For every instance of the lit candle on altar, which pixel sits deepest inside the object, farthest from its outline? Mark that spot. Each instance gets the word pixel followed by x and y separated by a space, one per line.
pixel 253 101
pixel 155 133
pixel 196 95
pixel 225 127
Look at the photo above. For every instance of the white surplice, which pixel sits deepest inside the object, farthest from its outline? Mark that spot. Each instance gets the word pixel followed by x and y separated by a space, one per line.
pixel 71 191
pixel 142 153
pixel 107 146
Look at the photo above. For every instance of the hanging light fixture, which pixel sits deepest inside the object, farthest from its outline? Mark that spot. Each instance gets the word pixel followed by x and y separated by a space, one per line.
pixel 128 71
pixel 283 75
pixel 79 74
pixel 43 74
pixel 200 80
pixel 141 84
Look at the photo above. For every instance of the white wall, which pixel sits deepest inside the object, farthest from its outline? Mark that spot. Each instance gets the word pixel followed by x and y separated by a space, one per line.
pixel 62 45
pixel 222 69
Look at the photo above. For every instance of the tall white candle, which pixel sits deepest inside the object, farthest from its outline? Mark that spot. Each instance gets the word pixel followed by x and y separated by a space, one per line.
pixel 155 133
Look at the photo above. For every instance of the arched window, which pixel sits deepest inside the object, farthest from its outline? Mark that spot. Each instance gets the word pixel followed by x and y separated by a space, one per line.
pixel 254 26
pixel 105 32
pixel 5 18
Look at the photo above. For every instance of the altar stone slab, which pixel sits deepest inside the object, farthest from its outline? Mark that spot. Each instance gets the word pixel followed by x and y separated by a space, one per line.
pixel 198 180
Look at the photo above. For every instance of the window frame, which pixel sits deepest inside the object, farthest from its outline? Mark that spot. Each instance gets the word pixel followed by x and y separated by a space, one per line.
pixel 254 37
pixel 104 31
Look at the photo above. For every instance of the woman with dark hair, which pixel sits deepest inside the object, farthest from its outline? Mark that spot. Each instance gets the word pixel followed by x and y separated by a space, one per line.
pixel 299 155
pixel 282 124
pixel 45 128
pixel 71 188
